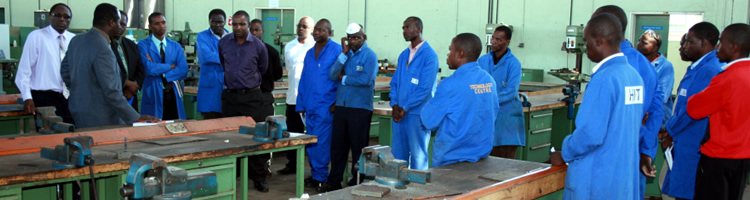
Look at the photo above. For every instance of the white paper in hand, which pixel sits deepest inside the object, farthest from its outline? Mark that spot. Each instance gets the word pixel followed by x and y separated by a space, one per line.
pixel 668 157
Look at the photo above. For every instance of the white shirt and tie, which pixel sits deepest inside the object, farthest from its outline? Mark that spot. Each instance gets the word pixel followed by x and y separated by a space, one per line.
pixel 39 66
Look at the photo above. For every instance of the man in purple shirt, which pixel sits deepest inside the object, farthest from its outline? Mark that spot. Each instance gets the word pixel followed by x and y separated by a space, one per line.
pixel 244 58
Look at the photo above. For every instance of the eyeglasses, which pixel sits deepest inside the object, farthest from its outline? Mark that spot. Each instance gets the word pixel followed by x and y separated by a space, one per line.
pixel 58 15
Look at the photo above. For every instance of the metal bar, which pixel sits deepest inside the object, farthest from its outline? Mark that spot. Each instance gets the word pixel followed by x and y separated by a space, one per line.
pixel 541 115
pixel 243 178
pixel 540 146
pixel 300 188
pixel 541 131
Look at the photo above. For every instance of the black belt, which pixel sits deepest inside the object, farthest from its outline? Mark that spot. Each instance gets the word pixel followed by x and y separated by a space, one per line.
pixel 48 92
pixel 244 91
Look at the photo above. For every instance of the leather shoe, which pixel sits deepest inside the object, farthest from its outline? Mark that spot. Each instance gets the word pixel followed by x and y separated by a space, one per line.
pixel 286 170
pixel 313 183
pixel 324 187
pixel 261 186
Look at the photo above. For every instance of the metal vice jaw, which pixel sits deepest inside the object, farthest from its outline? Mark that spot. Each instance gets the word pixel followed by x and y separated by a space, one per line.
pixel 378 161
pixel 571 92
pixel 273 128
pixel 49 123
pixel 76 152
pixel 149 177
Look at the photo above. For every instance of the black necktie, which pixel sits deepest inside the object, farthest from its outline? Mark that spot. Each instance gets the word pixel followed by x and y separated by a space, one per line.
pixel 166 84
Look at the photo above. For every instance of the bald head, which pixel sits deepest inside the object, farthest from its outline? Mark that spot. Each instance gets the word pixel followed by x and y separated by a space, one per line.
pixel 617 12
pixel 304 28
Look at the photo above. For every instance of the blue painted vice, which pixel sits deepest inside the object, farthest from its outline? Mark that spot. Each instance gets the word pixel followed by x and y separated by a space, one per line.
pixel 378 161
pixel 149 177
pixel 273 128
pixel 49 123
pixel 76 152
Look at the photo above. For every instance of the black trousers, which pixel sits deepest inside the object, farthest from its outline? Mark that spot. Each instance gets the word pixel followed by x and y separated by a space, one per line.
pixel 351 129
pixel 169 111
pixel 52 98
pixel 248 104
pixel 212 115
pixel 293 124
pixel 267 106
pixel 719 178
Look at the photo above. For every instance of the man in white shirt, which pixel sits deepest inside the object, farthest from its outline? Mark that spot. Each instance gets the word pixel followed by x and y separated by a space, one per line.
pixel 38 76
pixel 294 58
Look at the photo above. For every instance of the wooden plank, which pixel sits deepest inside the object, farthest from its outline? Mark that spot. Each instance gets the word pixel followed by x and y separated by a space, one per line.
pixel 26 168
pixel 20 144
pixel 528 187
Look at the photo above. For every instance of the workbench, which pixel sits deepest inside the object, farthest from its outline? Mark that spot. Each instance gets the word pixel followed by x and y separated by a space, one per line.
pixel 13 118
pixel 510 179
pixel 27 176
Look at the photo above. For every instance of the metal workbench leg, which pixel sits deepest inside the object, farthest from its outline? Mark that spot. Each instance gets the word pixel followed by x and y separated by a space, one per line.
pixel 300 170
pixel 243 178
pixel 68 191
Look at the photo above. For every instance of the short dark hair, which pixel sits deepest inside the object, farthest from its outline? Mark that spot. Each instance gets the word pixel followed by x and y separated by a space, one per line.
pixel 706 31
pixel 63 5
pixel 217 12
pixel 417 20
pixel 152 15
pixel 506 30
pixel 739 34
pixel 327 22
pixel 469 44
pixel 242 12
pixel 259 22
pixel 104 13
pixel 617 12
pixel 607 26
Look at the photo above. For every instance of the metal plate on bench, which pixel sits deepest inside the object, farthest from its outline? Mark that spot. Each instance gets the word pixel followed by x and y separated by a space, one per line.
pixel 174 140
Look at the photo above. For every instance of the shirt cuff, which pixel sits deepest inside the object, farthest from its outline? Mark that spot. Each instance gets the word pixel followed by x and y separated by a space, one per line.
pixel 343 58
pixel 343 80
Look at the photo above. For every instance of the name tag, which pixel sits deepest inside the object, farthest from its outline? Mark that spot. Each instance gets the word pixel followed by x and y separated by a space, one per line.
pixel 359 68
pixel 683 92
pixel 415 81
pixel 633 95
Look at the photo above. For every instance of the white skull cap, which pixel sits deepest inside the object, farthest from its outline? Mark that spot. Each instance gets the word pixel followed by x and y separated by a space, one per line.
pixel 353 28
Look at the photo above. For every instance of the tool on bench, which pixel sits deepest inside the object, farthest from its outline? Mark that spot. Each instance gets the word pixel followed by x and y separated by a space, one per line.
pixel 149 177
pixel 75 152
pixel 49 123
pixel 571 91
pixel 273 128
pixel 378 161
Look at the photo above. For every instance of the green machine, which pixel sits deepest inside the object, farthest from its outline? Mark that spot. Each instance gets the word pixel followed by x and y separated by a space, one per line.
pixel 573 44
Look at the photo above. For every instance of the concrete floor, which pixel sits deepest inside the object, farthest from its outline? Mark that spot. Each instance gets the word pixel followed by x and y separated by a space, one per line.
pixel 283 186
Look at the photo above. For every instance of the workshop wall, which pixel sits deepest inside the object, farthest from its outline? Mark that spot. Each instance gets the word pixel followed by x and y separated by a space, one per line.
pixel 538 24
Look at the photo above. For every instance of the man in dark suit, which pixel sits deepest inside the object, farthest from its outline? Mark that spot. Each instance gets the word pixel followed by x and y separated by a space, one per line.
pixel 90 71
pixel 129 60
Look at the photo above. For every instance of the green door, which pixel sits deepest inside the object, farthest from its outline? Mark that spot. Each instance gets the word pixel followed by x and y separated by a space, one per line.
pixel 658 23
pixel 277 20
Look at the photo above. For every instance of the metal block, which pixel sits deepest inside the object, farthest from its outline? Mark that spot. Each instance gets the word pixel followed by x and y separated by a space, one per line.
pixel 371 191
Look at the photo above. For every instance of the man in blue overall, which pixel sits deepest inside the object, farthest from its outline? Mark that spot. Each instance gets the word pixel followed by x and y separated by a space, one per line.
pixel 355 69
pixel 315 100
pixel 211 82
pixel 603 150
pixel 166 67
pixel 685 132
pixel 652 106
pixel 412 85
pixel 505 68
pixel 464 107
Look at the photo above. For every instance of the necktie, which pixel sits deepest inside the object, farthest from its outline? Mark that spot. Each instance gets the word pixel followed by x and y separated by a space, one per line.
pixel 122 57
pixel 61 43
pixel 165 84
pixel 161 52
